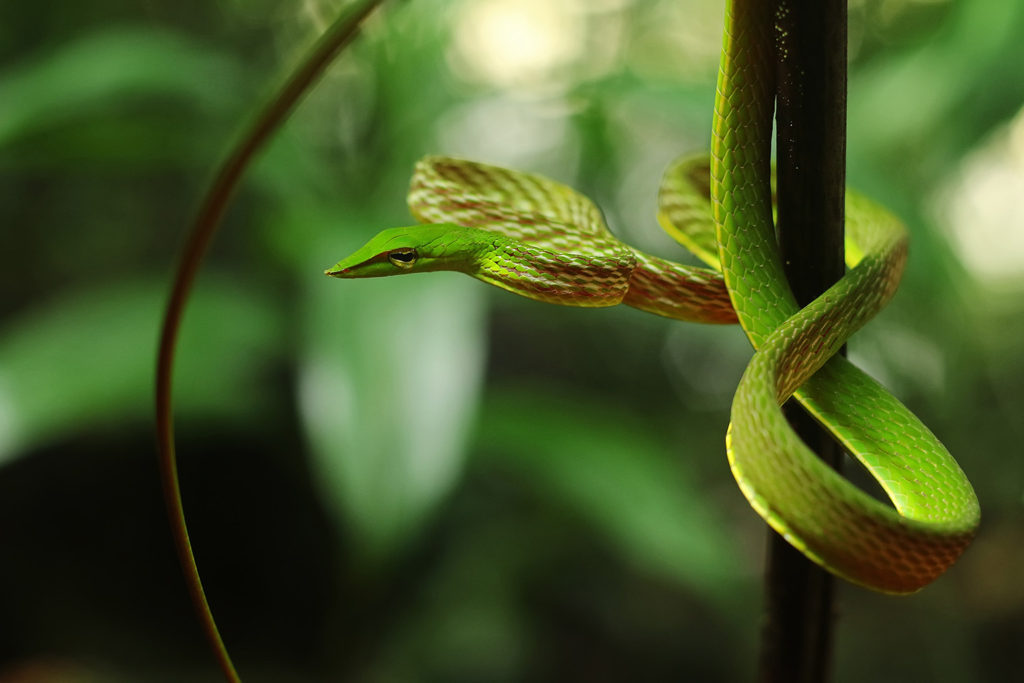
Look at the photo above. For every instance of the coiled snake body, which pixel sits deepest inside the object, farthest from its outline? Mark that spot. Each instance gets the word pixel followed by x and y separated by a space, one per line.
pixel 540 239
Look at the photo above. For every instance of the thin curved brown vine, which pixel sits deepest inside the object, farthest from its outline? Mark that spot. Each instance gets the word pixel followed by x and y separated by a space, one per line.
pixel 208 218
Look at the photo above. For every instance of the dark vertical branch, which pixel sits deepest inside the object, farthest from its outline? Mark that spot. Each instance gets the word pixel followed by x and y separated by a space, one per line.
pixel 811 168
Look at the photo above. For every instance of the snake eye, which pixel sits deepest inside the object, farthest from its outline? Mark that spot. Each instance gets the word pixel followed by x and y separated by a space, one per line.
pixel 403 258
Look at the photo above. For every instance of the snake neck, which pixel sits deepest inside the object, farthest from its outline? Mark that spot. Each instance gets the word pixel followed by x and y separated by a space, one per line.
pixel 680 292
pixel 595 279
pixel 607 274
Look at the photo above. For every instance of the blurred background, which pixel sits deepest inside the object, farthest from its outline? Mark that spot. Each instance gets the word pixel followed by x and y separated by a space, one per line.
pixel 423 478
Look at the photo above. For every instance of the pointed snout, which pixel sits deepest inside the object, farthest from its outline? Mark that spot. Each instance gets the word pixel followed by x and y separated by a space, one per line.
pixel 345 268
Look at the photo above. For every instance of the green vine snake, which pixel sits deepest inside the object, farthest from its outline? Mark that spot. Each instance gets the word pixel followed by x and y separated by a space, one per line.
pixel 540 239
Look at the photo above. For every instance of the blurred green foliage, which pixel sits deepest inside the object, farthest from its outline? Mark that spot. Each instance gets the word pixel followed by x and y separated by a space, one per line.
pixel 424 479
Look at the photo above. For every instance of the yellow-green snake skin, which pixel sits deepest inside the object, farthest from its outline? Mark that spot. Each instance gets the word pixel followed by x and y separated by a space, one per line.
pixel 540 239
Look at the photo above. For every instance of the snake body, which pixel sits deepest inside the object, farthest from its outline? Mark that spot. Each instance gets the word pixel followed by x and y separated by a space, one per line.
pixel 537 238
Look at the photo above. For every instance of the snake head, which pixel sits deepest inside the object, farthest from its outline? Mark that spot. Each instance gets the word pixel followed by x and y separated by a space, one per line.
pixel 415 249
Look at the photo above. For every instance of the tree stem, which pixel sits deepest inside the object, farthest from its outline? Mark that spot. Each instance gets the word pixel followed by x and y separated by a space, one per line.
pixel 811 168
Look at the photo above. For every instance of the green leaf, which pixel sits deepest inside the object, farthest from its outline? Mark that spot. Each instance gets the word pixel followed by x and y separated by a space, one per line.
pixel 90 76
pixel 86 361
pixel 632 486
